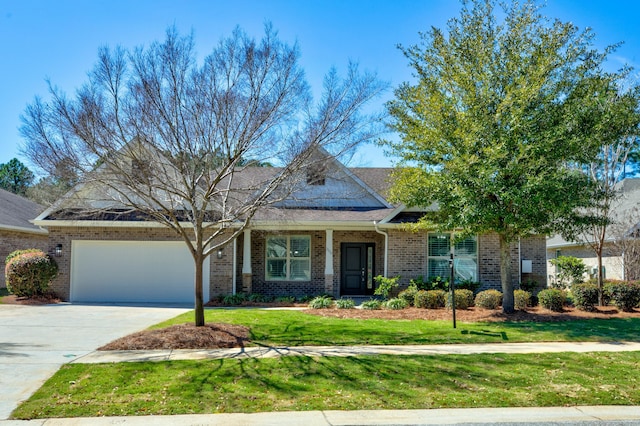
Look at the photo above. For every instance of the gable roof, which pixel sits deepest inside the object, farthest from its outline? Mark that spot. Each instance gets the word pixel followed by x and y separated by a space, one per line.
pixel 16 213
pixel 626 209
pixel 349 196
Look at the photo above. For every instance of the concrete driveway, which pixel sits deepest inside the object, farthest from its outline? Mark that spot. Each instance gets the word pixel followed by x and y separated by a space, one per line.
pixel 36 340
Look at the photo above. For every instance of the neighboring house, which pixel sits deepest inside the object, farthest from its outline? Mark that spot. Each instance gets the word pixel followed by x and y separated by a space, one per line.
pixel 626 216
pixel 332 236
pixel 16 230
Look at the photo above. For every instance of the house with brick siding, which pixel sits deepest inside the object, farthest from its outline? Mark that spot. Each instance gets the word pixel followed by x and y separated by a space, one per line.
pixel 16 230
pixel 332 235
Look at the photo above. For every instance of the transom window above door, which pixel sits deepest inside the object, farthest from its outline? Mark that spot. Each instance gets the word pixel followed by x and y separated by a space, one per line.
pixel 288 258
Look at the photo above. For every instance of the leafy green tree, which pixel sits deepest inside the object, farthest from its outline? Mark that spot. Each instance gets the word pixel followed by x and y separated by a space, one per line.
pixel 571 270
pixel 496 129
pixel 15 177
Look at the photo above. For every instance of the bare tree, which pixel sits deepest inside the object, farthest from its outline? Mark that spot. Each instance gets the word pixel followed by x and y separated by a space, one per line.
pixel 618 135
pixel 625 233
pixel 156 134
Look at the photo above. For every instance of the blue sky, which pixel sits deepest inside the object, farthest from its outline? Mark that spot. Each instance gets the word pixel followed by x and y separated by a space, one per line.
pixel 59 39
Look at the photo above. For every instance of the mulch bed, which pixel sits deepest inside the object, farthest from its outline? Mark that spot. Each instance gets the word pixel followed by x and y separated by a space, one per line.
pixel 536 314
pixel 183 336
pixel 12 299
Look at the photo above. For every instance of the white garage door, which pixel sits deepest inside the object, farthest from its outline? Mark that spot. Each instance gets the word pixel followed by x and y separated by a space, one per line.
pixel 133 271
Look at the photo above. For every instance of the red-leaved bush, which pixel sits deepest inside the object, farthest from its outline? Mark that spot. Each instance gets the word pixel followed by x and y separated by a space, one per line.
pixel 29 272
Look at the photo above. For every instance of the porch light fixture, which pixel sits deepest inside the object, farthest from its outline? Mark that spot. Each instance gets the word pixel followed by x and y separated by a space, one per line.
pixel 219 254
pixel 58 251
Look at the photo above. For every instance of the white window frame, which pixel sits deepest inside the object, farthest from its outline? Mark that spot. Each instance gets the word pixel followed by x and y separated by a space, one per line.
pixel 288 258
pixel 457 257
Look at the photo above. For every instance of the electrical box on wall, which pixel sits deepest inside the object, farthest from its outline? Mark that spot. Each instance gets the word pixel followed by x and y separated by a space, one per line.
pixel 527 266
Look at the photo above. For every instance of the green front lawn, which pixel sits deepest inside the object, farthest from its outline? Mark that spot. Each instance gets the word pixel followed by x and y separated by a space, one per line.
pixel 295 328
pixel 332 383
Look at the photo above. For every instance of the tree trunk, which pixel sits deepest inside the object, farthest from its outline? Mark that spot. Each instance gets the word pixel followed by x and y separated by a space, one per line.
pixel 600 280
pixel 199 305
pixel 505 276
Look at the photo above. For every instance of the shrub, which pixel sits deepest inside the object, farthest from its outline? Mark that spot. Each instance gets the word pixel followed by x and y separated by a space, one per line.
pixel 420 283
pixel 521 299
pixel 396 304
pixel 432 299
pixel 304 299
pixel 321 302
pixel 409 295
pixel 571 270
pixel 552 299
pixel 585 296
pixel 468 285
pixel 625 295
pixel 259 298
pixel 438 283
pixel 489 299
pixel 345 304
pixel 285 299
pixel 464 299
pixel 385 285
pixel 529 285
pixel 29 272
pixel 234 299
pixel 371 304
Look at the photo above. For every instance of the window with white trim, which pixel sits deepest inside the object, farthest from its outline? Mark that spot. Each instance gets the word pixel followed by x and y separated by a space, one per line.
pixel 465 257
pixel 288 258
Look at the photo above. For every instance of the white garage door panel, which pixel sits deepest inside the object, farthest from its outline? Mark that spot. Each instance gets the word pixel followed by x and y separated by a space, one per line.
pixel 133 271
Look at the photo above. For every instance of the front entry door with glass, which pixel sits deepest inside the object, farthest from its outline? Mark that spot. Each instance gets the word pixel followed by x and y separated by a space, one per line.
pixel 357 266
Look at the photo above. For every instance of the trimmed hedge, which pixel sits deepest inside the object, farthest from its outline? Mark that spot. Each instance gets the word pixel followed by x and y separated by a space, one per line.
pixel 464 299
pixel 552 299
pixel 29 272
pixel 625 295
pixel 409 295
pixel 431 299
pixel 489 299
pixel 521 299
pixel 585 296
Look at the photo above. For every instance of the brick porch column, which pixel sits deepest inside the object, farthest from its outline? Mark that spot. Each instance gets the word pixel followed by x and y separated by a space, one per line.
pixel 246 262
pixel 328 262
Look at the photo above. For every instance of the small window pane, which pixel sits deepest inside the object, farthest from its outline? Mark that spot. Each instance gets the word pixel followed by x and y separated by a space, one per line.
pixel 466 269
pixel 438 245
pixel 466 247
pixel 276 269
pixel 277 247
pixel 438 268
pixel 300 270
pixel 300 246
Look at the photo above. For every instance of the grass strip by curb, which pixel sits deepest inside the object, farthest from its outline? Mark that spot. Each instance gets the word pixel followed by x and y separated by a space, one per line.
pixel 362 382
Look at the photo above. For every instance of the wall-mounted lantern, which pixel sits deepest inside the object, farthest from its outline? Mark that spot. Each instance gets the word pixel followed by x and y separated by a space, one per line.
pixel 219 254
pixel 58 251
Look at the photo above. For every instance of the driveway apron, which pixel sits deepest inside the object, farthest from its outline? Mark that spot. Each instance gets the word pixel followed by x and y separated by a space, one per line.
pixel 36 340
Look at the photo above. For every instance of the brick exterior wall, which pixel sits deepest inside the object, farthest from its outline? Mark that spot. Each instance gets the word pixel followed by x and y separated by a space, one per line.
pixel 407 257
pixel 11 241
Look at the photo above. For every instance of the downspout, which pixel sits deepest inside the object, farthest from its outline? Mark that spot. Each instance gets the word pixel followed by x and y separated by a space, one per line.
pixel 233 266
pixel 386 247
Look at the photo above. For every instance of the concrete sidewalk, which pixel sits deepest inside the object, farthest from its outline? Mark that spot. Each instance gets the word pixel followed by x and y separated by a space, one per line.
pixel 608 415
pixel 345 351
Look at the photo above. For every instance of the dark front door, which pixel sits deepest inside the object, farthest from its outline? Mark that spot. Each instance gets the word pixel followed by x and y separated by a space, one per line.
pixel 357 266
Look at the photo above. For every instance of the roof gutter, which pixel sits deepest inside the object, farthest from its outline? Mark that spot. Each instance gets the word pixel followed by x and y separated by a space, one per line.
pixel 386 247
